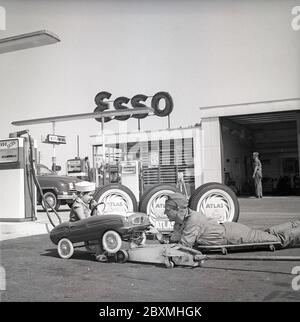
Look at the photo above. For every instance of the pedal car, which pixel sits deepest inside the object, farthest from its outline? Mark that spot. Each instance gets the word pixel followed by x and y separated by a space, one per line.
pixel 108 229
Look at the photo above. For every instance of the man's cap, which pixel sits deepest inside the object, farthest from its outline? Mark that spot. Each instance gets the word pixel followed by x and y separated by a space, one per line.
pixel 177 200
pixel 85 186
pixel 255 153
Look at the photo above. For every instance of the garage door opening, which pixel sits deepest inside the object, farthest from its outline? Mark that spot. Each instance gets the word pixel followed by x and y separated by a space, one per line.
pixel 274 136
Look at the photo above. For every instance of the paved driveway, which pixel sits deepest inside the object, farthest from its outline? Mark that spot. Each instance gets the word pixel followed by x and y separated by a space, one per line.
pixel 34 272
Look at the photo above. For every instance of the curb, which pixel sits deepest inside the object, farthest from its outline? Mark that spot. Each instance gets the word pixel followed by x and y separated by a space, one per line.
pixel 15 230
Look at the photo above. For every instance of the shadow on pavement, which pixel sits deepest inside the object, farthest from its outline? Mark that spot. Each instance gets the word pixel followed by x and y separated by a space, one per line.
pixel 78 254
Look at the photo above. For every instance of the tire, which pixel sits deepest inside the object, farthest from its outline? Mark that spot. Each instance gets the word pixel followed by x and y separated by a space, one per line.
pixel 52 199
pixel 111 241
pixel 215 200
pixel 121 256
pixel 117 198
pixel 153 204
pixel 65 248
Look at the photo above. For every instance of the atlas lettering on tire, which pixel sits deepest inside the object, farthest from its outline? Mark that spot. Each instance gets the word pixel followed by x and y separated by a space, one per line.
pixel 156 210
pixel 216 204
pixel 117 198
pixel 215 200
pixel 117 201
pixel 152 202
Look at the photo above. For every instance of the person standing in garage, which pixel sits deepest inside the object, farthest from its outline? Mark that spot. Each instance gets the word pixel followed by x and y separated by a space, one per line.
pixel 257 175
pixel 87 168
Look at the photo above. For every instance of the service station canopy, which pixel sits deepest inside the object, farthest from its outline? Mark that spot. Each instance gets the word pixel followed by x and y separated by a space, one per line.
pixel 71 117
pixel 29 40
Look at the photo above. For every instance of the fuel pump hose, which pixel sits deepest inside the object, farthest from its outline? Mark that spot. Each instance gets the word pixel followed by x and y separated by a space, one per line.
pixel 33 173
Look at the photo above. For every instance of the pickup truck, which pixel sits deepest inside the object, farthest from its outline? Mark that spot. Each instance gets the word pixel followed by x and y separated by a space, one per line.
pixel 58 190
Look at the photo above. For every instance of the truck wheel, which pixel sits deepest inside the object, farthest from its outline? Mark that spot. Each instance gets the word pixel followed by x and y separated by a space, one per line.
pixel 52 200
pixel 117 198
pixel 215 200
pixel 65 248
pixel 111 241
pixel 153 203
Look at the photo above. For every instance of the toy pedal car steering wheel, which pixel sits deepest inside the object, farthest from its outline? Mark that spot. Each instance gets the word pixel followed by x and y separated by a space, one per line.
pixel 95 207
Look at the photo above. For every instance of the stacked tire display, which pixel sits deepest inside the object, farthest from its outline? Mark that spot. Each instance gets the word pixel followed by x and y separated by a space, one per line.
pixel 213 199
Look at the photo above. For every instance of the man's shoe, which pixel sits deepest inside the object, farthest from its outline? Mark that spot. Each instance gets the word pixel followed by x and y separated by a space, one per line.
pixel 101 258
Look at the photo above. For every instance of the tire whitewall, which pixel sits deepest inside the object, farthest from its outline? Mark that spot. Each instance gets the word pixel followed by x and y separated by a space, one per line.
pixel 153 204
pixel 111 241
pixel 65 248
pixel 117 198
pixel 52 200
pixel 216 201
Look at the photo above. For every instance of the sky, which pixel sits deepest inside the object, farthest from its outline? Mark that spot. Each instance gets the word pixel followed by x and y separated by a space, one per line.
pixel 201 52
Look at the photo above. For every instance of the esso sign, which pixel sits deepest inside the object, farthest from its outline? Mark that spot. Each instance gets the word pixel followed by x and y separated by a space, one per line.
pixel 161 103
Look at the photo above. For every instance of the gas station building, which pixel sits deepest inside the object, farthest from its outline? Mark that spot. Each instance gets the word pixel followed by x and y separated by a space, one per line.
pixel 218 149
pixel 232 132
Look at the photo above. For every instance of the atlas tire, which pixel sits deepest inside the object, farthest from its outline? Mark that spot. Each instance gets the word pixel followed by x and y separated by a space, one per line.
pixel 217 201
pixel 152 202
pixel 117 198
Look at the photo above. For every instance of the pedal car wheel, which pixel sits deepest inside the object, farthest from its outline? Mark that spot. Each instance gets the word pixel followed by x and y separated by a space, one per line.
pixel 111 241
pixel 121 256
pixel 65 248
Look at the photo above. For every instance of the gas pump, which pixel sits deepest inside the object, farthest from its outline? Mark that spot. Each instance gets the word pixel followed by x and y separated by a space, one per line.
pixel 75 168
pixel 130 176
pixel 17 189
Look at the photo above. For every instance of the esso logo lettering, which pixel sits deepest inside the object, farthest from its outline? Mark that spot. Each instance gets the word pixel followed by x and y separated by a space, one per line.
pixel 161 103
